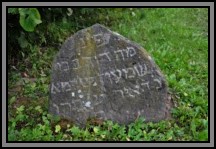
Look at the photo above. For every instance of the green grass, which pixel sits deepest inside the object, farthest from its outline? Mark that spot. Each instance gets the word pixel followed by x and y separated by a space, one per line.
pixel 177 39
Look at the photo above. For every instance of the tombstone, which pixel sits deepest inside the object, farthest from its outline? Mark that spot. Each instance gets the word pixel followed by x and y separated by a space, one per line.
pixel 101 74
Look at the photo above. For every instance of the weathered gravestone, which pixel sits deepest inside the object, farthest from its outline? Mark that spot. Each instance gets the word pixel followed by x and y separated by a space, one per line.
pixel 99 73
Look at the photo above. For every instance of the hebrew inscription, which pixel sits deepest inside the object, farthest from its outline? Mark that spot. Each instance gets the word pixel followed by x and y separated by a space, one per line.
pixel 98 73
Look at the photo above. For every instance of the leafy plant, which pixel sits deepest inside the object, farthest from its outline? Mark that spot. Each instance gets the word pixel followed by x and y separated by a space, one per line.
pixel 57 128
pixel 29 17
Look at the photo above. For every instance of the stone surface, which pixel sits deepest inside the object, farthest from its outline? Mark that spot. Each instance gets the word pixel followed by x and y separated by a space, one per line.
pixel 100 74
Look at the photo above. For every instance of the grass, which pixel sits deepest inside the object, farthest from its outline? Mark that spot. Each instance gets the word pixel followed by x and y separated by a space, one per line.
pixel 177 39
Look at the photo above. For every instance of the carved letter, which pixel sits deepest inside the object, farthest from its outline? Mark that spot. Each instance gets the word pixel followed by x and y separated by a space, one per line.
pixel 75 63
pixel 135 91
pixel 116 77
pixel 82 43
pixel 98 40
pixel 57 66
pixel 159 83
pixel 66 111
pixel 101 81
pixel 120 51
pixel 66 104
pixel 99 99
pixel 102 96
pixel 54 89
pixel 73 82
pixel 106 38
pixel 133 73
pixel 126 73
pixel 77 105
pixel 83 82
pixel 108 74
pixel 65 86
pixel 105 54
pixel 91 80
pixel 128 92
pixel 131 52
pixel 64 66
pixel 100 114
pixel 142 71
pixel 119 91
pixel 101 40
pixel 57 108
pixel 146 84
